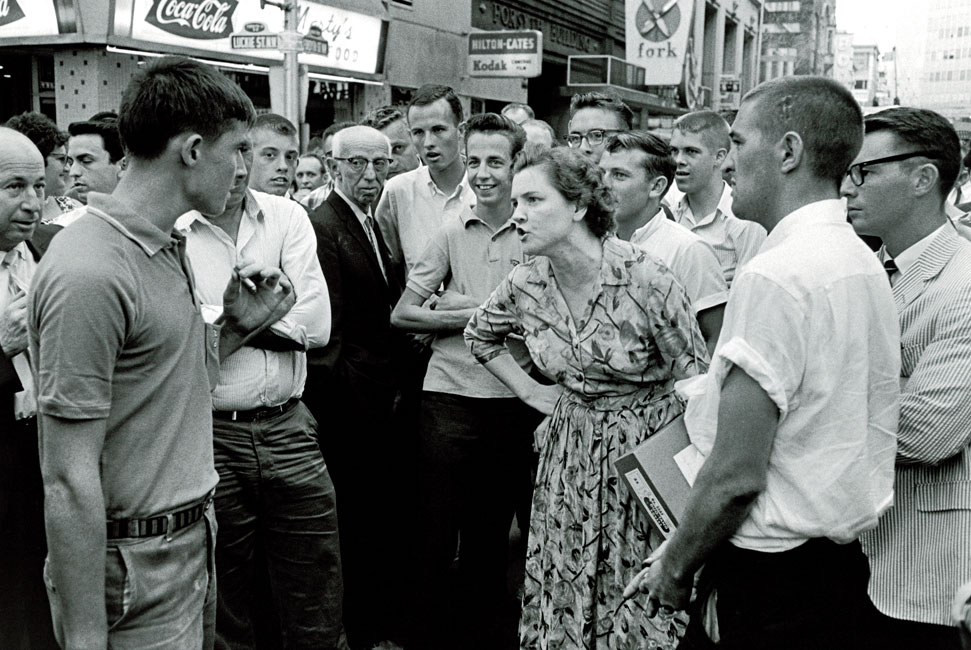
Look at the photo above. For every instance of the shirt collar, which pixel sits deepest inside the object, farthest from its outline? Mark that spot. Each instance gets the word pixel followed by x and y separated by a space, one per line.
pixel 908 257
pixel 469 216
pixel 358 212
pixel 15 254
pixel 724 207
pixel 434 189
pixel 138 229
pixel 251 210
pixel 644 232
pixel 826 211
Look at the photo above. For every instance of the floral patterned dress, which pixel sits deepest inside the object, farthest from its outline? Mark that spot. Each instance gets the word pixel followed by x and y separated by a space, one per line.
pixel 618 365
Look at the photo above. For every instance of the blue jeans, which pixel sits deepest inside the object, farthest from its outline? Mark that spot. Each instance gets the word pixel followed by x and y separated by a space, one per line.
pixel 278 545
pixel 160 592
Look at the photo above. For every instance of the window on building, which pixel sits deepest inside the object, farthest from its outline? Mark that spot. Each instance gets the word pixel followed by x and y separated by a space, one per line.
pixel 782 6
pixel 859 84
pixel 950 75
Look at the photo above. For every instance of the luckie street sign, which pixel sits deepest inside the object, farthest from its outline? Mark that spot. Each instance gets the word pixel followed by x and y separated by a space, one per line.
pixel 256 38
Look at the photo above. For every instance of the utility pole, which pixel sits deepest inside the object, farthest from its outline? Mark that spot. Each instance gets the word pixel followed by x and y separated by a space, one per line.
pixel 290 42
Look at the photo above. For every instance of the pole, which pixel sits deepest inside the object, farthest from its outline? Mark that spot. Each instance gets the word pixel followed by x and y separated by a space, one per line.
pixel 291 41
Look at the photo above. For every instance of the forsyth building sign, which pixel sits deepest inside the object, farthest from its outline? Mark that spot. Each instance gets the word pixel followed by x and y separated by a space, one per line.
pixel 657 38
pixel 354 41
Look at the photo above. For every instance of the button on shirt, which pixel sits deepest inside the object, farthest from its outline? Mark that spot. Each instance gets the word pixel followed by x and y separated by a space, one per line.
pixel 734 241
pixel 412 209
pixel 16 271
pixel 275 232
pixel 472 259
pixel 812 320
pixel 690 258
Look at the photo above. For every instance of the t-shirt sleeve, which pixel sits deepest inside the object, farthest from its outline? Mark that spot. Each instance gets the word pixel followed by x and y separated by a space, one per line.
pixel 79 311
pixel 703 279
pixel 432 267
pixel 766 337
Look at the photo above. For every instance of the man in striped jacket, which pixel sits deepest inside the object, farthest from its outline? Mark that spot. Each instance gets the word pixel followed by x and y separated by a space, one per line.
pixel 920 553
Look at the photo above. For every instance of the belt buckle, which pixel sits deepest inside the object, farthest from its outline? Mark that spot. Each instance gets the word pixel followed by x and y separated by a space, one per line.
pixel 169 525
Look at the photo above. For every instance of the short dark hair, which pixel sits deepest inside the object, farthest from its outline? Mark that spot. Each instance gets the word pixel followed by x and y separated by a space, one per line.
pixel 41 130
pixel 105 125
pixel 500 124
pixel 712 127
pixel 603 100
pixel 824 114
pixel 276 123
pixel 382 118
pixel 513 106
pixel 925 131
pixel 577 179
pixel 175 95
pixel 659 160
pixel 431 93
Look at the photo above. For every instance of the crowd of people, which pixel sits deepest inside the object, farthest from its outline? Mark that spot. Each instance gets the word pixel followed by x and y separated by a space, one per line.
pixel 259 398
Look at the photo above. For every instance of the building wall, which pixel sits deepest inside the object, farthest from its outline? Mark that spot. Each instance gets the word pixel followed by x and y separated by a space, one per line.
pixel 945 77
pixel 798 37
pixel 843 59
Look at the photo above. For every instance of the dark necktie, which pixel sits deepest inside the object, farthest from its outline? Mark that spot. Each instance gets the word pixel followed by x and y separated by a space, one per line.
pixel 890 267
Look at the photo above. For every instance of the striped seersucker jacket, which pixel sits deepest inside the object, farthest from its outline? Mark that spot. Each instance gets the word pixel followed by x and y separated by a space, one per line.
pixel 920 552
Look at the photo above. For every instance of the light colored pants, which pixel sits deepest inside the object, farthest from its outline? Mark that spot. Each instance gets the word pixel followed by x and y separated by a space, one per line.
pixel 159 593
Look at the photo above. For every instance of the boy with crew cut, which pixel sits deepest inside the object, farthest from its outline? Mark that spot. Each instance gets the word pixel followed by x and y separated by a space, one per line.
pixel 471 424
pixel 700 145
pixel 124 366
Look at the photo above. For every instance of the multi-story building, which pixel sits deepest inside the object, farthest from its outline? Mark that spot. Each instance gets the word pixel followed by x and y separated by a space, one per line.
pixel 72 58
pixel 843 59
pixel 866 60
pixel 798 38
pixel 945 76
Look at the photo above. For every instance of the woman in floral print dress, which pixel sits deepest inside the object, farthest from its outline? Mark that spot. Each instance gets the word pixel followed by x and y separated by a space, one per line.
pixel 613 328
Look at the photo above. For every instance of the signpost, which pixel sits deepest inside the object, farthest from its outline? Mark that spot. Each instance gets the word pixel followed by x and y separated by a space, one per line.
pixel 730 93
pixel 506 54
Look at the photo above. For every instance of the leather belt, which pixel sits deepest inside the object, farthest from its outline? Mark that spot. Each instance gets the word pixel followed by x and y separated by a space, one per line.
pixel 256 414
pixel 161 525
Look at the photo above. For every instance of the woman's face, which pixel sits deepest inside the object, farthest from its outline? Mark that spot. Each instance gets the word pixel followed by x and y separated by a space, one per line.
pixel 544 218
pixel 56 169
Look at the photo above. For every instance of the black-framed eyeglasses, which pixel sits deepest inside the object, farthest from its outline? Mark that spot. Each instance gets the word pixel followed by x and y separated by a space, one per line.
pixel 359 163
pixel 858 172
pixel 593 136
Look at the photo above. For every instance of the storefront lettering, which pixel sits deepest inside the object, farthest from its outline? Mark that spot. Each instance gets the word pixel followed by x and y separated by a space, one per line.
pixel 208 19
pixel 661 52
pixel 510 18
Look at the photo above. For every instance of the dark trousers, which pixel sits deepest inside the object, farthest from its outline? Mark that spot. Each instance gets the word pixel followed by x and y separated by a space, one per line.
pixel 369 460
pixel 473 458
pixel 812 597
pixel 275 502
pixel 25 617
pixel 888 633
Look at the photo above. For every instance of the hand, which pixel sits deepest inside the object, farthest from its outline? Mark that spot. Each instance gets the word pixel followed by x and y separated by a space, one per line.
pixel 454 301
pixel 543 398
pixel 256 297
pixel 664 591
pixel 13 326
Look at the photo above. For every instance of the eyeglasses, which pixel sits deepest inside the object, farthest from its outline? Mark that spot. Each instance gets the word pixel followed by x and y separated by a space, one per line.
pixel 358 164
pixel 593 136
pixel 858 172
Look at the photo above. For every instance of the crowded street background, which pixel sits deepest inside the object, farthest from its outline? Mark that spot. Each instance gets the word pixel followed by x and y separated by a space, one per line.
pixel 446 373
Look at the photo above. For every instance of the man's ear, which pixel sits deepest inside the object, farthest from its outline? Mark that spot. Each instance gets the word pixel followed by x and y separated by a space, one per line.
pixel 791 150
pixel 925 179
pixel 190 149
pixel 658 185
pixel 333 169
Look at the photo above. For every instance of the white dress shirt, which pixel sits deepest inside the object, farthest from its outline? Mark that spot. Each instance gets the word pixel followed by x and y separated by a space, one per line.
pixel 276 232
pixel 689 257
pixel 811 318
pixel 16 272
pixel 734 240
pixel 412 209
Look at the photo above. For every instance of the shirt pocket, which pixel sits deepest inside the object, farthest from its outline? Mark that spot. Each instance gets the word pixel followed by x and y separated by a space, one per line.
pixel 940 497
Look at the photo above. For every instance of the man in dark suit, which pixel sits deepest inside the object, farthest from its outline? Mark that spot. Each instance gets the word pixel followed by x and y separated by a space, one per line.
pixel 920 553
pixel 352 384
pixel 25 620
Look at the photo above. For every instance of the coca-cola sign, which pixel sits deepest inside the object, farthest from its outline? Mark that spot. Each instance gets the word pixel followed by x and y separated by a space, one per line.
pixel 199 19
pixel 10 11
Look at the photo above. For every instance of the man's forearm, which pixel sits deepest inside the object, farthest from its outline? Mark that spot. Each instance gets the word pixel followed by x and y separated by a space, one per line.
pixel 413 318
pixel 74 515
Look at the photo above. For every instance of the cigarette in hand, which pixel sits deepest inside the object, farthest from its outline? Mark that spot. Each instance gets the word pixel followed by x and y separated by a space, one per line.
pixel 249 284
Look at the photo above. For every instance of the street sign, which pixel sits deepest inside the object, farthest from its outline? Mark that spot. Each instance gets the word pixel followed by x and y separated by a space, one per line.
pixel 244 41
pixel 506 54
pixel 730 93
pixel 314 45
